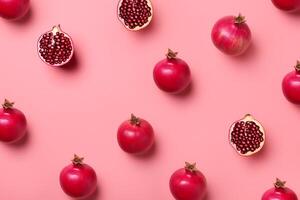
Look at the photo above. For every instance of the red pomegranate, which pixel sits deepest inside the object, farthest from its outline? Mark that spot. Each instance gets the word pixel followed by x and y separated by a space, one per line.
pixel 291 85
pixel 55 47
pixel 135 14
pixel 188 183
pixel 287 5
pixel 14 9
pixel 78 179
pixel 247 136
pixel 279 192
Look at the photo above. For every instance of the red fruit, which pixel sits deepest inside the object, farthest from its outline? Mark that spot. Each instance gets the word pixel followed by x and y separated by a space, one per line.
pixel 135 14
pixel 231 35
pixel 55 47
pixel 188 183
pixel 247 136
pixel 135 135
pixel 172 74
pixel 78 180
pixel 279 192
pixel 287 5
pixel 13 9
pixel 13 125
pixel 291 85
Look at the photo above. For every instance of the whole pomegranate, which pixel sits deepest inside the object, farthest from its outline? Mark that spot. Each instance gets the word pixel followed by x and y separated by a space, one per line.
pixel 13 9
pixel 78 180
pixel 279 192
pixel 13 124
pixel 231 35
pixel 55 47
pixel 135 135
pixel 172 74
pixel 291 85
pixel 135 14
pixel 188 183
pixel 247 136
pixel 287 5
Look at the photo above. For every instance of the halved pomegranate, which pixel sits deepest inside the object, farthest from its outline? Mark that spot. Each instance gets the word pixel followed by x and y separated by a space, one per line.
pixel 55 47
pixel 135 14
pixel 247 136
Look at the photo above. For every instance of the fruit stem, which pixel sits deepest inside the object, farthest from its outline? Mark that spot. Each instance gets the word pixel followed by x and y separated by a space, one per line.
pixel 279 183
pixel 56 29
pixel 7 104
pixel 171 54
pixel 77 160
pixel 190 167
pixel 297 66
pixel 135 120
pixel 240 19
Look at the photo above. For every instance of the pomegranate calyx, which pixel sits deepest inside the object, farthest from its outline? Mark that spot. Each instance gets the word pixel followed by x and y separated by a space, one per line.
pixel 7 104
pixel 248 117
pixel 56 29
pixel 190 167
pixel 279 183
pixel 171 54
pixel 240 19
pixel 297 66
pixel 135 120
pixel 77 160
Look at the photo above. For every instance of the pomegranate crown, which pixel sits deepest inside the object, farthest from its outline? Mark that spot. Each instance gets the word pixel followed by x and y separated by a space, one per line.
pixel 135 120
pixel 279 183
pixel 171 54
pixel 7 104
pixel 191 167
pixel 297 66
pixel 240 19
pixel 77 160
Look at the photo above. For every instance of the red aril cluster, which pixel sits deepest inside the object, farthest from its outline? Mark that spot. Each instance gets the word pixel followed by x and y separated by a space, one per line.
pixel 55 47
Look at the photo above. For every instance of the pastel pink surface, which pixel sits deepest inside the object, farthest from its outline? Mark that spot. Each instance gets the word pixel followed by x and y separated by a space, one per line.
pixel 78 109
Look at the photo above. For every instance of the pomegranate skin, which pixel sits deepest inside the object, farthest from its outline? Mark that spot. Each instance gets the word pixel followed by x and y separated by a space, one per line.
pixel 231 35
pixel 135 136
pixel 13 9
pixel 287 5
pixel 78 180
pixel 279 193
pixel 172 74
pixel 13 124
pixel 188 184
pixel 291 85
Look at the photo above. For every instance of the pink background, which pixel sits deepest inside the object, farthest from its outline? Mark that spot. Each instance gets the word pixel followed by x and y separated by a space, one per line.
pixel 78 110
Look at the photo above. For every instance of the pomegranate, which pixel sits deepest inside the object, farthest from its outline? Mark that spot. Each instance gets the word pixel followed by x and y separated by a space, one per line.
pixel 135 14
pixel 247 136
pixel 78 180
pixel 291 85
pixel 231 35
pixel 287 5
pixel 55 47
pixel 14 9
pixel 135 135
pixel 172 74
pixel 279 192
pixel 188 183
pixel 13 125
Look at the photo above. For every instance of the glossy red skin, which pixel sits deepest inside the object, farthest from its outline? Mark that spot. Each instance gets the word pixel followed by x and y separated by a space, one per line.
pixel 135 139
pixel 229 37
pixel 187 185
pixel 279 194
pixel 13 125
pixel 172 75
pixel 291 87
pixel 13 9
pixel 78 181
pixel 287 5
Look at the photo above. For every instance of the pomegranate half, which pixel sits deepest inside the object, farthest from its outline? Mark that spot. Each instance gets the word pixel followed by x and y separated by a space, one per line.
pixel 247 136
pixel 135 14
pixel 55 47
